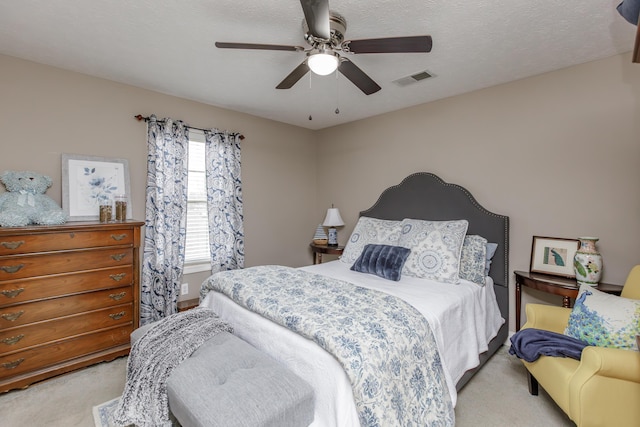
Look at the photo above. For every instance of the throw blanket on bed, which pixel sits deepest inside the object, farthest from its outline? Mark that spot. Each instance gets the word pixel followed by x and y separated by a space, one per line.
pixel 384 344
pixel 529 344
pixel 154 356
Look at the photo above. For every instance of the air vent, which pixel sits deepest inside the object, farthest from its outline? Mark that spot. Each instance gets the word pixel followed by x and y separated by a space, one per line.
pixel 414 78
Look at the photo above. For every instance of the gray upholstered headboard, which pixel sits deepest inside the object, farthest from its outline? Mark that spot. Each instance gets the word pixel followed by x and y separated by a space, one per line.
pixel 425 196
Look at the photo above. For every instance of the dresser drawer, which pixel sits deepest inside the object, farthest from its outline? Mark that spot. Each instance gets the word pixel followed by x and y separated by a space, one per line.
pixel 69 297
pixel 63 240
pixel 17 315
pixel 62 262
pixel 62 351
pixel 32 289
pixel 35 334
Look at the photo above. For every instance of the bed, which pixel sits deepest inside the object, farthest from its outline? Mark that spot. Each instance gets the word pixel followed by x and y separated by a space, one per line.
pixel 467 321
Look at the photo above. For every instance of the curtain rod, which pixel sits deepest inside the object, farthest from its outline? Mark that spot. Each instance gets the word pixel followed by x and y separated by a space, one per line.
pixel 140 118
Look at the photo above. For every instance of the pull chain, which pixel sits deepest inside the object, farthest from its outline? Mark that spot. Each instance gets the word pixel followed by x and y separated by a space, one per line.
pixel 337 94
pixel 310 118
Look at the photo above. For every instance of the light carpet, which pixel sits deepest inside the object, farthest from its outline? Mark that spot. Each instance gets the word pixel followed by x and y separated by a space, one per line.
pixel 103 414
pixel 495 396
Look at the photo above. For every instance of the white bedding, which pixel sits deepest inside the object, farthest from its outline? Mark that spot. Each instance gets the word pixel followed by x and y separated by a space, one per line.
pixel 464 318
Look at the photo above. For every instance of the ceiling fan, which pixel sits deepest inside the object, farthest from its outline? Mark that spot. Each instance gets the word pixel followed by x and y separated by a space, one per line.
pixel 324 32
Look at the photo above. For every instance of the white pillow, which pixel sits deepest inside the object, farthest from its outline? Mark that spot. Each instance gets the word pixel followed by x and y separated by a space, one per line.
pixel 435 248
pixel 370 230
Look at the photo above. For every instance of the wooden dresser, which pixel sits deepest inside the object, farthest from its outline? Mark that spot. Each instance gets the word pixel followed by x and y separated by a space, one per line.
pixel 68 297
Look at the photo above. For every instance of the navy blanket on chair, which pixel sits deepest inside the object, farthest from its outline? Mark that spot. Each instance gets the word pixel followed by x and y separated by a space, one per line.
pixel 529 344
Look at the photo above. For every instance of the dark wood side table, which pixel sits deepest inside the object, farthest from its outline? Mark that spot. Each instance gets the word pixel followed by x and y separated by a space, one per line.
pixel 566 288
pixel 318 250
pixel 188 304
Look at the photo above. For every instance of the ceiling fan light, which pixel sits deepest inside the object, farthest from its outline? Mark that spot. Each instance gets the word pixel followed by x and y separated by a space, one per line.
pixel 323 63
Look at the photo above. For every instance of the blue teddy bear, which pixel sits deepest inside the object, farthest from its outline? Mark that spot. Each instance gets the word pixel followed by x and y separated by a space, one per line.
pixel 25 203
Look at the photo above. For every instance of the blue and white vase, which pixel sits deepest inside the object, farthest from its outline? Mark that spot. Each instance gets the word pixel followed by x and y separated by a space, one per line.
pixel 587 263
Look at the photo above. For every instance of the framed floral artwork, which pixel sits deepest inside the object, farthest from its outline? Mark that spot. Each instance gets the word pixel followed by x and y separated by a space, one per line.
pixel 553 255
pixel 88 181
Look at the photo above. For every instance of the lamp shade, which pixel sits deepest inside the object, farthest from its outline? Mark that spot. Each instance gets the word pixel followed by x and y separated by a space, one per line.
pixel 323 63
pixel 333 218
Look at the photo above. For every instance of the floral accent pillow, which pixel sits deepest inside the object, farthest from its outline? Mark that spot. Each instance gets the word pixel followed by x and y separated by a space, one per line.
pixel 473 259
pixel 604 320
pixel 435 248
pixel 370 230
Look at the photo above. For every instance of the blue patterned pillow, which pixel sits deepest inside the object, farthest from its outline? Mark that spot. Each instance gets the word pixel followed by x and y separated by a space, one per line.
pixel 491 251
pixel 435 248
pixel 604 320
pixel 473 259
pixel 370 230
pixel 382 260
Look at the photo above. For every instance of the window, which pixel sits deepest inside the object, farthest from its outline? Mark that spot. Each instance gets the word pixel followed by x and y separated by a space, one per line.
pixel 197 253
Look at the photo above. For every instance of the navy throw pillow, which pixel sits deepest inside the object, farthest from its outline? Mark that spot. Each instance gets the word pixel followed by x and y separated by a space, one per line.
pixel 382 260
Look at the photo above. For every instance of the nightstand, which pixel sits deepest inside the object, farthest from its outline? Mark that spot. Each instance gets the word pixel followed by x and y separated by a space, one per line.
pixel 566 288
pixel 319 250
pixel 188 304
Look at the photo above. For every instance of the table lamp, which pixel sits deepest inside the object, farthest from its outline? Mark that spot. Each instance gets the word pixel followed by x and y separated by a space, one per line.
pixel 333 220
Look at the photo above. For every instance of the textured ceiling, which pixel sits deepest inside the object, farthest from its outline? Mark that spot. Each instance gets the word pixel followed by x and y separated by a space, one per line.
pixel 168 46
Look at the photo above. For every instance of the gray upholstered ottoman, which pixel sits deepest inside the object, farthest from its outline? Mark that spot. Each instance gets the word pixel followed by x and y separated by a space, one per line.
pixel 229 383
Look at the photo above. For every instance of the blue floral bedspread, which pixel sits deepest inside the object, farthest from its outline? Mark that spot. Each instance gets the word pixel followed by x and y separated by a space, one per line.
pixel 384 344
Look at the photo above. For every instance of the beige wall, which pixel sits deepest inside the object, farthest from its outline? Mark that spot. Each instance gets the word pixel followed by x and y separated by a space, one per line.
pixel 45 111
pixel 557 153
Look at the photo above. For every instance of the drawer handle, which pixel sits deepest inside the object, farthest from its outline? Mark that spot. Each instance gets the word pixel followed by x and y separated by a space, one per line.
pixel 12 245
pixel 118 257
pixel 11 268
pixel 117 297
pixel 12 340
pixel 14 364
pixel 12 317
pixel 12 293
pixel 118 277
pixel 116 316
pixel 118 237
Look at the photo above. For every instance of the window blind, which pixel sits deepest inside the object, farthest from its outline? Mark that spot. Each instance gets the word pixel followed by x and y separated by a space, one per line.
pixel 197 240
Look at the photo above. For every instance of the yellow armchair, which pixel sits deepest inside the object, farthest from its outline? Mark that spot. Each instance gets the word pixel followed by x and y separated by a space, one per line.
pixel 601 389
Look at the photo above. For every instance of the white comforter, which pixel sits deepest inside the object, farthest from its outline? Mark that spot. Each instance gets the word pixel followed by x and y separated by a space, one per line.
pixel 464 318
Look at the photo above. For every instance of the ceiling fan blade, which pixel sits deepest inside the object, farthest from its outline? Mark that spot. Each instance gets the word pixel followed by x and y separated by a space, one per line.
pixel 225 45
pixel 358 77
pixel 389 45
pixel 316 13
pixel 294 76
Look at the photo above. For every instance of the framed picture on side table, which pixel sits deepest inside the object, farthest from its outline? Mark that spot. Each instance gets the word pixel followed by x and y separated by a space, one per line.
pixel 553 255
pixel 88 180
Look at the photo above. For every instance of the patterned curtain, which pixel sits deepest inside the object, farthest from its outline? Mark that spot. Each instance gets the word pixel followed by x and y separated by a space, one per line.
pixel 224 200
pixel 166 216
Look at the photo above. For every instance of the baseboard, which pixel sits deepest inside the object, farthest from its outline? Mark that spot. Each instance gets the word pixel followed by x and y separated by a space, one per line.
pixel 508 341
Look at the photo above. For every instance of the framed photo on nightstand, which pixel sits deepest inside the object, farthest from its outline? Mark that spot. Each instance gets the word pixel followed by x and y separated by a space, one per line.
pixel 553 255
